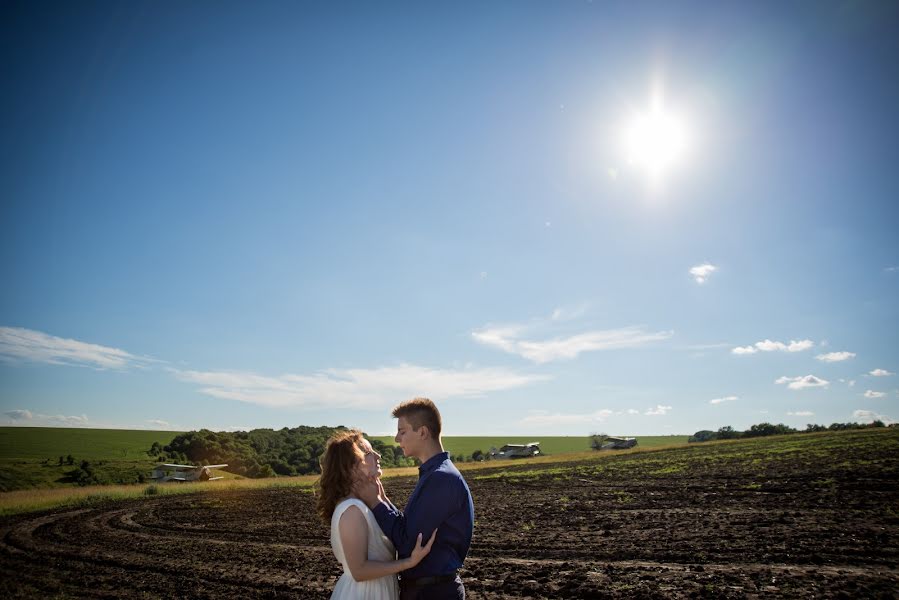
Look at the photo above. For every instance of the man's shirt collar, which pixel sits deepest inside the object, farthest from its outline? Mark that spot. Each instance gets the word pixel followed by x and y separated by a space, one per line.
pixel 432 463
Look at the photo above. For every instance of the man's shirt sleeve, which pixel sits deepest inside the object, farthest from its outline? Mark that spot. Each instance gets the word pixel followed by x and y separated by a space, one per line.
pixel 438 498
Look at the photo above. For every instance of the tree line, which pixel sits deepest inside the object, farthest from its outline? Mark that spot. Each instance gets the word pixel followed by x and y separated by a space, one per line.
pixel 764 429
pixel 264 452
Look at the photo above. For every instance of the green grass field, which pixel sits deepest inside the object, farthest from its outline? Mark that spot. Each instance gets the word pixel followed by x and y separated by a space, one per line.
pixel 30 443
pixel 551 445
pixel 29 456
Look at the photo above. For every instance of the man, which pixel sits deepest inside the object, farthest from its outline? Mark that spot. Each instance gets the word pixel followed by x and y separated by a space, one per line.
pixel 441 500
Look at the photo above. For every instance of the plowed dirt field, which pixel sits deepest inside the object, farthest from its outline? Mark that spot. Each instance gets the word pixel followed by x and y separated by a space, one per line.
pixel 796 516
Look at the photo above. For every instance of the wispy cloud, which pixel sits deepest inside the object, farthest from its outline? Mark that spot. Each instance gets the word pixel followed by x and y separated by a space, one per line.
pixel 19 415
pixel 773 346
pixel 159 423
pixel 873 394
pixel 880 373
pixel 831 357
pixel 803 382
pixel 567 313
pixel 26 417
pixel 510 338
pixel 361 388
pixel 658 410
pixel 723 400
pixel 891 269
pixel 801 413
pixel 26 345
pixel 869 416
pixel 701 272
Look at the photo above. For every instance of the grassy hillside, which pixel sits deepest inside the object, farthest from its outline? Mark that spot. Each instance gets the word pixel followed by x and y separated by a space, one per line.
pixel 29 443
pixel 29 456
pixel 551 445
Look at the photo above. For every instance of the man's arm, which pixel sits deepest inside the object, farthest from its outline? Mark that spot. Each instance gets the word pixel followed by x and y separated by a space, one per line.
pixel 353 531
pixel 438 498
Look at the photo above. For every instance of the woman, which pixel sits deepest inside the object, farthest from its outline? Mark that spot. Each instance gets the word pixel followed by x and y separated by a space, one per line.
pixel 367 556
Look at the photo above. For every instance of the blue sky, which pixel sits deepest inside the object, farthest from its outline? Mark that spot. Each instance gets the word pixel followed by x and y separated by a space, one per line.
pixel 238 215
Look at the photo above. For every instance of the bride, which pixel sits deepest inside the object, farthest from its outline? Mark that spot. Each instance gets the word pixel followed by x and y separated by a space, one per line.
pixel 366 554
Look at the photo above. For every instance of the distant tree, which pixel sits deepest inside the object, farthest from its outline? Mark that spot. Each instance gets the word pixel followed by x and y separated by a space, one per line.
pixel 597 440
pixel 704 435
pixel 70 460
pixel 61 461
pixel 477 455
pixel 728 433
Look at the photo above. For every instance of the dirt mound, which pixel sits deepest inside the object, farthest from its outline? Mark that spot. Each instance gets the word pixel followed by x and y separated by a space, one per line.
pixel 734 521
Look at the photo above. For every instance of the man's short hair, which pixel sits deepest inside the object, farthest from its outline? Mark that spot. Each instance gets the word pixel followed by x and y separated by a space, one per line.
pixel 420 411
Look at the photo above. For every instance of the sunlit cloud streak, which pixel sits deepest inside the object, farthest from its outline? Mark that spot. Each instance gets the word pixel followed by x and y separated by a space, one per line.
pixel 802 382
pixel 873 394
pixel 879 373
pixel 26 345
pixel 773 346
pixel 26 417
pixel 723 400
pixel 831 357
pixel 509 338
pixel 356 388
pixel 658 410
pixel 801 413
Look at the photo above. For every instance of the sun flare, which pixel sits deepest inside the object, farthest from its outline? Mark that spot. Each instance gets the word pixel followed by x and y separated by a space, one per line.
pixel 657 140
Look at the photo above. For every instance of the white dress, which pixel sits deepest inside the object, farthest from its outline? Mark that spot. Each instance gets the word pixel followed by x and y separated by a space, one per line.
pixel 379 548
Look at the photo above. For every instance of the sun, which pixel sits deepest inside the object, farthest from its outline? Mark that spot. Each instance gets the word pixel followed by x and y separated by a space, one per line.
pixel 657 140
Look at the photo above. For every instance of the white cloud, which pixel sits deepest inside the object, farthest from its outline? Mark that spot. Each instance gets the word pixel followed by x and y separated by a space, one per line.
pixel 547 419
pixel 801 413
pixel 851 383
pixel 744 350
pixel 362 388
pixel 17 417
pixel 873 394
pixel 879 373
pixel 158 423
pixel 773 346
pixel 508 338
pixel 658 410
pixel 869 416
pixel 701 272
pixel 722 400
pixel 19 344
pixel 891 269
pixel 835 356
pixel 802 382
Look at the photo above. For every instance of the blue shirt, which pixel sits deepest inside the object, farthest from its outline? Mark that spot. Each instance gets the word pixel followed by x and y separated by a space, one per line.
pixel 441 500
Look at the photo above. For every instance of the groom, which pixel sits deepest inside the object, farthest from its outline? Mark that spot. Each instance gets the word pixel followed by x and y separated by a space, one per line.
pixel 441 500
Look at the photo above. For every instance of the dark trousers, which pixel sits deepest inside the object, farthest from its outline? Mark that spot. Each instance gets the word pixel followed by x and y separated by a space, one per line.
pixel 451 590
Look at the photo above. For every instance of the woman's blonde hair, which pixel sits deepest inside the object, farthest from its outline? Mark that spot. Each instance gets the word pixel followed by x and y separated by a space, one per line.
pixel 341 457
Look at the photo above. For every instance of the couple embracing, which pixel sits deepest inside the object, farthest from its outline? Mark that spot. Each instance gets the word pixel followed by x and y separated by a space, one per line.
pixel 431 535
